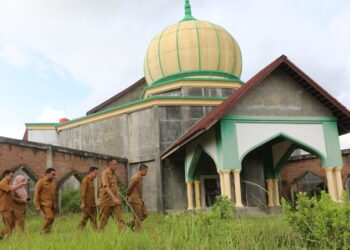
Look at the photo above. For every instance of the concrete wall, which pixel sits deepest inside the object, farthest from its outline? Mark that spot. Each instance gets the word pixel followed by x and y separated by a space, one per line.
pixel 280 95
pixel 253 180
pixel 105 137
pixel 43 136
pixel 175 121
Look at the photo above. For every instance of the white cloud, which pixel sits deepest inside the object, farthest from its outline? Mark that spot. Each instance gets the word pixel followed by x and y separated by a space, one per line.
pixel 51 115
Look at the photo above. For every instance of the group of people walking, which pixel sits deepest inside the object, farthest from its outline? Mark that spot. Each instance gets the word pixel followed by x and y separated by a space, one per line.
pixel 14 199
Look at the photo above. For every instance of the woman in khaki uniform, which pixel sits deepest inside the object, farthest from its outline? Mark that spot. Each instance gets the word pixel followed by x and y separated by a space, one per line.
pixel 88 203
pixel 134 194
pixel 45 198
pixel 20 203
pixel 108 202
pixel 6 202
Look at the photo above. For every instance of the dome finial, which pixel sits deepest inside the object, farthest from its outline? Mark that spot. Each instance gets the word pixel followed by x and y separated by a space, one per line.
pixel 188 14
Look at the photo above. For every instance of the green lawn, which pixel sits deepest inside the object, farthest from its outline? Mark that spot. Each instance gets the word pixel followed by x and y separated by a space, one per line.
pixel 185 231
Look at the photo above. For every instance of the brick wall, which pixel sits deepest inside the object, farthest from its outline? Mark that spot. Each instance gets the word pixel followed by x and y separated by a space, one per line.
pixel 299 165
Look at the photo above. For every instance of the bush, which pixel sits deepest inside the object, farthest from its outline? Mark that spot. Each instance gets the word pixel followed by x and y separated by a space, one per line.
pixel 321 222
pixel 70 201
pixel 222 208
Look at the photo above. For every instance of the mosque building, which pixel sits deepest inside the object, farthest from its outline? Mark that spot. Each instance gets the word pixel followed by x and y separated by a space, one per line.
pixel 203 132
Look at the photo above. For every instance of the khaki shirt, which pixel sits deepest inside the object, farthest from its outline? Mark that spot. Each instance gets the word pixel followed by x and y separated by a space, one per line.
pixel 134 191
pixel 45 193
pixel 108 179
pixel 88 192
pixel 6 201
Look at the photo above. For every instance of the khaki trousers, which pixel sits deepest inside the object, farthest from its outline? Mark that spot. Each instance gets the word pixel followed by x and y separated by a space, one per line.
pixel 140 214
pixel 8 218
pixel 89 213
pixel 111 211
pixel 49 214
pixel 20 216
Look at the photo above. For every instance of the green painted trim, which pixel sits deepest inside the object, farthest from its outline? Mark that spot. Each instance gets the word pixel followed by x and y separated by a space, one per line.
pixel 194 161
pixel 138 102
pixel 193 80
pixel 234 43
pixel 283 160
pixel 41 124
pixel 190 73
pixel 149 71
pixel 300 144
pixel 279 119
pixel 219 45
pixel 177 47
pixel 199 46
pixel 219 149
pixel 268 162
pixel 331 138
pixel 159 59
pixel 229 146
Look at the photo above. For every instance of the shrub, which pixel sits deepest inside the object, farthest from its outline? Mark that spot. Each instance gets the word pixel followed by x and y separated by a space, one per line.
pixel 222 208
pixel 321 222
pixel 70 201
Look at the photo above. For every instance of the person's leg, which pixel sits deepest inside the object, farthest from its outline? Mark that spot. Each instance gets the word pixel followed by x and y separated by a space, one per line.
pixel 105 212
pixel 85 218
pixel 49 215
pixel 7 219
pixel 118 217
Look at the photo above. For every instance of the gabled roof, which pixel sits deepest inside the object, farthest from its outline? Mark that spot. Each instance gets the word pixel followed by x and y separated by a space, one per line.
pixel 338 110
pixel 140 82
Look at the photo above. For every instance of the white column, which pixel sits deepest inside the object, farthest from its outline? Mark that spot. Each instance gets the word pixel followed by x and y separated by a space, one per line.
pixel 330 184
pixel 238 195
pixel 197 191
pixel 189 185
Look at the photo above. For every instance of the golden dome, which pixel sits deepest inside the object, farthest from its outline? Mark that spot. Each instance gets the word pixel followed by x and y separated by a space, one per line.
pixel 192 48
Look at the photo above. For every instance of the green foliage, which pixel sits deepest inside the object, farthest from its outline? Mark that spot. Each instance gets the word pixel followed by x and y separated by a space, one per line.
pixel 70 201
pixel 222 208
pixel 321 222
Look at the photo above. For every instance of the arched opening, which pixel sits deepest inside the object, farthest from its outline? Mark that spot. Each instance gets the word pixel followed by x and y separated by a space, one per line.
pixel 261 178
pixel 308 183
pixel 69 193
pixel 205 172
pixel 32 178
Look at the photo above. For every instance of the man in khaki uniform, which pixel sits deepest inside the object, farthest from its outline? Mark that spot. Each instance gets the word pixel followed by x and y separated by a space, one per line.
pixel 88 204
pixel 134 194
pixel 45 198
pixel 109 203
pixel 7 203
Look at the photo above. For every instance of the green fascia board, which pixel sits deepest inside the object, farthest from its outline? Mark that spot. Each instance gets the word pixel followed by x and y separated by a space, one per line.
pixel 188 80
pixel 41 124
pixel 190 73
pixel 331 135
pixel 280 119
pixel 138 102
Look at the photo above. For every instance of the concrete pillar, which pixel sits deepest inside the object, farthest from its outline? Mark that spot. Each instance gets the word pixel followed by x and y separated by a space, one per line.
pixel 237 180
pixel 339 182
pixel 330 184
pixel 49 158
pixel 276 192
pixel 227 182
pixel 269 184
pixel 197 191
pixel 222 183
pixel 189 185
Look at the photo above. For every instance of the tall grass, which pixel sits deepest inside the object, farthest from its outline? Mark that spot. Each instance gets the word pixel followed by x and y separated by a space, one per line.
pixel 184 231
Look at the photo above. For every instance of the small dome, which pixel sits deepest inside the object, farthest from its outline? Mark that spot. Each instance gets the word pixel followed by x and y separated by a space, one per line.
pixel 192 48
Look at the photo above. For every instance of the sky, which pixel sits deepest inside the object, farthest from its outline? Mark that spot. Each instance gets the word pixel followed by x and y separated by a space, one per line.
pixel 61 58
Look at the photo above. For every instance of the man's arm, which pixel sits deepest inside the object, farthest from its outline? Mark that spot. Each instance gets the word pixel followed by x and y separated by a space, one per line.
pixel 17 186
pixel 37 195
pixel 105 184
pixel 83 193
pixel 132 185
